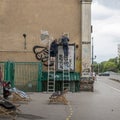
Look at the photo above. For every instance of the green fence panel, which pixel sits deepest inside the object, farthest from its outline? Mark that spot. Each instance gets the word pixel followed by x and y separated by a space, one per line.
pixel 74 81
pixel 7 69
pixel 9 72
pixel 77 86
pixel 74 76
pixel 12 70
pixel 39 85
pixel 27 76
pixel 2 65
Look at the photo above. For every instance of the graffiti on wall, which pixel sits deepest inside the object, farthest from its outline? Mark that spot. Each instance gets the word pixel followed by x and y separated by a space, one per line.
pixel 86 63
pixel 42 54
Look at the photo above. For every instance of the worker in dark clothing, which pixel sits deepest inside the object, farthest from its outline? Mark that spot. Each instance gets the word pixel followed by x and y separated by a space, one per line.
pixel 53 49
pixel 64 42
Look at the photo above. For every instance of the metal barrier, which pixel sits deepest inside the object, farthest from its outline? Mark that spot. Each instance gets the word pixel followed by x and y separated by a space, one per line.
pixel 2 64
pixel 25 76
pixel 29 77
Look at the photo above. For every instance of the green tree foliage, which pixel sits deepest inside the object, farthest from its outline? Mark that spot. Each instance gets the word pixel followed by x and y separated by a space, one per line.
pixel 111 65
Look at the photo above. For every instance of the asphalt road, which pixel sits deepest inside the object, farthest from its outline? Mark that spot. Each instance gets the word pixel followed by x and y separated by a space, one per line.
pixel 102 104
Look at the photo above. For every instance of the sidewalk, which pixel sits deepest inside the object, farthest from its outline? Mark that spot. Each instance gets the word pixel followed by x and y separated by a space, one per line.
pixel 115 77
pixel 40 109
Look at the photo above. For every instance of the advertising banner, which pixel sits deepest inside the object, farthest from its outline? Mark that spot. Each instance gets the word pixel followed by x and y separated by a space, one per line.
pixel 63 63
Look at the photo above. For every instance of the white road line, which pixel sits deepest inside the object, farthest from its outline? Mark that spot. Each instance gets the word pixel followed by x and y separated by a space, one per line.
pixel 113 88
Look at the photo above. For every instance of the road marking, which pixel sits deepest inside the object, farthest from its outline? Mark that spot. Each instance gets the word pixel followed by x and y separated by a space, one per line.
pixel 67 119
pixel 113 88
pixel 71 111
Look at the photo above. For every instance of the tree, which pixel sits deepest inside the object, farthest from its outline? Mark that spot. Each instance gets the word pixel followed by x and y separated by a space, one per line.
pixel 110 66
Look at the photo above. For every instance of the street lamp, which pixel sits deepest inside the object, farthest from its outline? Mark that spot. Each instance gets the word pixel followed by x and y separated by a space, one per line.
pixel 98 68
pixel 93 57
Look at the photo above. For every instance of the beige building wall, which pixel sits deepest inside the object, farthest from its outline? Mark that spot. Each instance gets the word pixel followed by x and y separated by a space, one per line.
pixel 86 35
pixel 30 17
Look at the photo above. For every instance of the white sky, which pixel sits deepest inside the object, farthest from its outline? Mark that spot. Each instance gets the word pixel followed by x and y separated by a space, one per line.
pixel 106 28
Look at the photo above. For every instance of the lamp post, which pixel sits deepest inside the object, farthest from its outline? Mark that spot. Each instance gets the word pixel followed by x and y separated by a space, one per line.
pixel 98 68
pixel 93 57
pixel 92 50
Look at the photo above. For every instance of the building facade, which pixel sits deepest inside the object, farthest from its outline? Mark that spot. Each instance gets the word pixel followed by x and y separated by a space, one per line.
pixel 21 23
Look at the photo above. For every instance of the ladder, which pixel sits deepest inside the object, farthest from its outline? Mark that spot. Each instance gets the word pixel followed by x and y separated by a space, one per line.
pixel 51 74
pixel 66 73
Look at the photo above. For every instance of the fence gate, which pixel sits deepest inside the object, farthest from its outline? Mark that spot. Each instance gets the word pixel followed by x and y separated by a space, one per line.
pixel 25 76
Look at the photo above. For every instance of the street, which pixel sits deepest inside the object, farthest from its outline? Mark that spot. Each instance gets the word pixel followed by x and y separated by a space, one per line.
pixel 102 104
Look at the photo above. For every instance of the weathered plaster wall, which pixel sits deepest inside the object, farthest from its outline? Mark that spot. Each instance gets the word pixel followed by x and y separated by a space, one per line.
pixel 32 16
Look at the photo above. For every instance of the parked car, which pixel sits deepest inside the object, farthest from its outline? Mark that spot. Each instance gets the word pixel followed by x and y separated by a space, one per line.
pixel 104 74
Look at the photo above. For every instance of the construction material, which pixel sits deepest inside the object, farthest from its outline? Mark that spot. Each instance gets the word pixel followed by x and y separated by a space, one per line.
pixel 19 96
pixel 59 97
pixel 8 109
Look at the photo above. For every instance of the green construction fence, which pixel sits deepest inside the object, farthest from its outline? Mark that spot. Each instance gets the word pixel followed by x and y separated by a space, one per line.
pixel 74 81
pixel 30 77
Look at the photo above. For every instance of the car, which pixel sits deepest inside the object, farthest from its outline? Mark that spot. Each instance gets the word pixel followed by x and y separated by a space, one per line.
pixel 104 74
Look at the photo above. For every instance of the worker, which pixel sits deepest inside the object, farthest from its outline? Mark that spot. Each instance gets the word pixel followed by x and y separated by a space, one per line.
pixel 64 42
pixel 53 50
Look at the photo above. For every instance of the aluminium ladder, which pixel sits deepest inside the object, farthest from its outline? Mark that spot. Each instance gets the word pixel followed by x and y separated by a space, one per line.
pixel 51 74
pixel 66 73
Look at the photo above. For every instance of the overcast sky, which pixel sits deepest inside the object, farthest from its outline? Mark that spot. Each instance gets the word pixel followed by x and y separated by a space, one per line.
pixel 106 28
